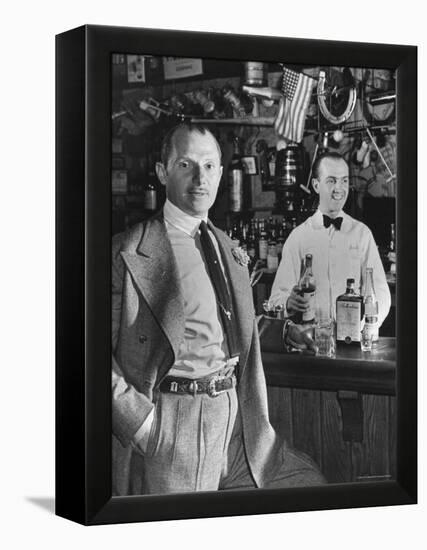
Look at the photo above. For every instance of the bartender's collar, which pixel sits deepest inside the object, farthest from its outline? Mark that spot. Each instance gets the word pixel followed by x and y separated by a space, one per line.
pixel 181 220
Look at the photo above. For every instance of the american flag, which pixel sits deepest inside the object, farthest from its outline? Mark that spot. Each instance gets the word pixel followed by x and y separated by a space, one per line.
pixel 293 105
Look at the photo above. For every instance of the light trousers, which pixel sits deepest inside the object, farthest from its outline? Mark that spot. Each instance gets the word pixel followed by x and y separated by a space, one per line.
pixel 196 444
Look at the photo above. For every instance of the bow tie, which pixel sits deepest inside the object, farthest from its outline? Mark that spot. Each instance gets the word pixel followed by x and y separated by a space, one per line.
pixel 336 222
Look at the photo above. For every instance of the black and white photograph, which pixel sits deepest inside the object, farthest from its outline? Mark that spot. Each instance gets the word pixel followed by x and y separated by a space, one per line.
pixel 208 256
pixel 212 285
pixel 241 236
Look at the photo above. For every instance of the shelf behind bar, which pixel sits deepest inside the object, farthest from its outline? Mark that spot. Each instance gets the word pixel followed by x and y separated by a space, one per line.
pixel 244 121
pixel 353 370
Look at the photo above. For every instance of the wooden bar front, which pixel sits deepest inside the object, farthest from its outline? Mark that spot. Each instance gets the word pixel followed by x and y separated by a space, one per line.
pixel 341 411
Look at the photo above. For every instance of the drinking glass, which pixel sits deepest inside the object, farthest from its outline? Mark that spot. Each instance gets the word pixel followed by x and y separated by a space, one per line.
pixel 324 338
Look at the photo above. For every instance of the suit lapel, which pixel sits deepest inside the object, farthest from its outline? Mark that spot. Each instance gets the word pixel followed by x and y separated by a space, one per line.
pixel 154 270
pixel 241 293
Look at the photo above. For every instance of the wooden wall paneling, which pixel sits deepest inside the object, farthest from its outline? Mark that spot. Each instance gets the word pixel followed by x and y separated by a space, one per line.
pixel 336 453
pixel 280 411
pixel 370 458
pixel 307 423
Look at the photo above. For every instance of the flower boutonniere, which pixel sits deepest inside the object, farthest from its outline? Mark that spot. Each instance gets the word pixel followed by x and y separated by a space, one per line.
pixel 240 256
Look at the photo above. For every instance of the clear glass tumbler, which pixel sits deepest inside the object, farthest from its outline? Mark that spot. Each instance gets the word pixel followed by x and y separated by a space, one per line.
pixel 324 338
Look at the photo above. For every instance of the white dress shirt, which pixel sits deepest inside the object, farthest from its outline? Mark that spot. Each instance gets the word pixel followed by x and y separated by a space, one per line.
pixel 203 350
pixel 337 256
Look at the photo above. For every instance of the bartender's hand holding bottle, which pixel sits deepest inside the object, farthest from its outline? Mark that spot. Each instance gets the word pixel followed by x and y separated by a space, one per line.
pixel 296 302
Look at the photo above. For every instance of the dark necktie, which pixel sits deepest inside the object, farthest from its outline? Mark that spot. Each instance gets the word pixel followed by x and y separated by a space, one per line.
pixel 221 291
pixel 336 222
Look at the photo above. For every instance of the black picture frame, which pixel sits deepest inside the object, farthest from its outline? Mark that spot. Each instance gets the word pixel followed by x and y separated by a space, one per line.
pixel 83 240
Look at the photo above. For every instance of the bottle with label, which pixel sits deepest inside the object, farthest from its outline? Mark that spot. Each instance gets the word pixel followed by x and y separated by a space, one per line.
pixel 262 244
pixel 370 303
pixel 272 258
pixel 307 286
pixel 370 329
pixel 235 175
pixel 349 314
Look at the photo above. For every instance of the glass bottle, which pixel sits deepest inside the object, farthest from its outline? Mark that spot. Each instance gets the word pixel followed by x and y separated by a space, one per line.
pixel 307 286
pixel 262 244
pixel 244 237
pixel 370 303
pixel 150 192
pixel 231 97
pixel 280 241
pixel 272 258
pixel 235 235
pixel 349 313
pixel 235 175
pixel 150 197
pixel 251 243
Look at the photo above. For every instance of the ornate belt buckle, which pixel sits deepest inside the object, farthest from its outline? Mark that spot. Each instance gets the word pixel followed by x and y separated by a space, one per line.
pixel 212 391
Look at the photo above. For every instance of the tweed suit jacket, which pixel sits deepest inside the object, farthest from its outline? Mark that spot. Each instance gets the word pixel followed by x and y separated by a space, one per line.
pixel 147 330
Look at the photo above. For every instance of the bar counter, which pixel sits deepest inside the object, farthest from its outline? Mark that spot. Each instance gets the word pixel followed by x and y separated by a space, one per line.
pixel 366 372
pixel 341 411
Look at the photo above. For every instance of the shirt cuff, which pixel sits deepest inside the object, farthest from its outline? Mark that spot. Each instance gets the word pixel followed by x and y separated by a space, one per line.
pixel 141 436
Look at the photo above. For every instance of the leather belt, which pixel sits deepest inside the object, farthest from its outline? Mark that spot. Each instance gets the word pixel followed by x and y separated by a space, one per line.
pixel 212 385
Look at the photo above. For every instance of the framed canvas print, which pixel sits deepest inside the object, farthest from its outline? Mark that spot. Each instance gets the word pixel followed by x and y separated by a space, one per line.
pixel 236 274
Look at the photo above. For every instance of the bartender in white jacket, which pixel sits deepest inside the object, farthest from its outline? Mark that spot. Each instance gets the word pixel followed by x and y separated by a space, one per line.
pixel 341 246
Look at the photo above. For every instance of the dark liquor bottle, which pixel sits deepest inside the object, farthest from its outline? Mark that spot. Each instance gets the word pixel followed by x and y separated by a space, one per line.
pixel 293 224
pixel 235 234
pixel 264 172
pixel 280 242
pixel 244 237
pixel 251 242
pixel 307 289
pixel 235 180
pixel 349 315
